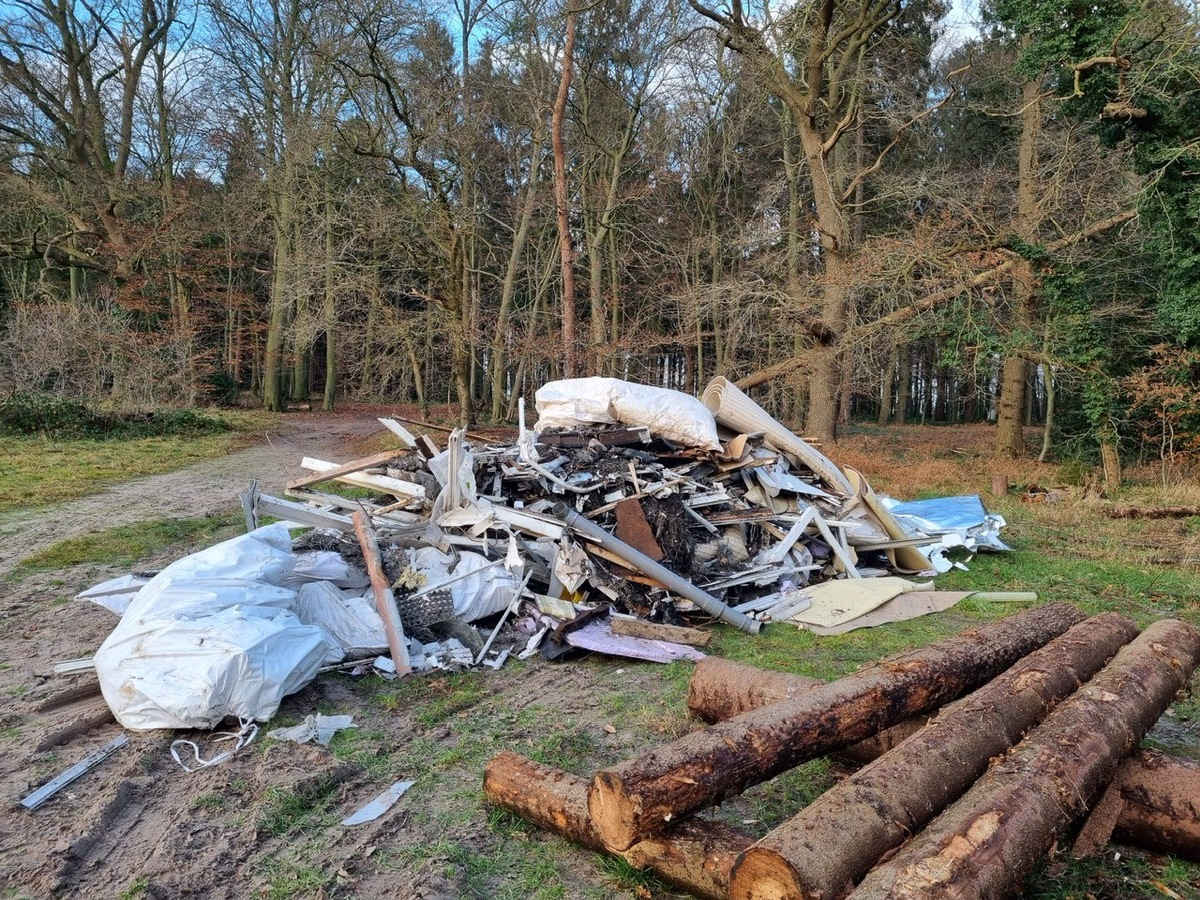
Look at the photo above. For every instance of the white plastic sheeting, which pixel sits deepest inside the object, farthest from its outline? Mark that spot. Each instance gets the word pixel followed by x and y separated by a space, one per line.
pixel 485 589
pixel 671 415
pixel 211 636
pixel 352 623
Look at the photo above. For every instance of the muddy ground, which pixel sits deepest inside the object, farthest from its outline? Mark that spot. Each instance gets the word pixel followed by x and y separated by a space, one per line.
pixel 266 822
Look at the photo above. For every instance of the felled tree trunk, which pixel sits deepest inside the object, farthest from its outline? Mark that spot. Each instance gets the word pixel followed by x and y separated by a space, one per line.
pixel 986 843
pixel 694 856
pixel 830 845
pixel 1160 803
pixel 635 799
pixel 1157 797
pixel 721 689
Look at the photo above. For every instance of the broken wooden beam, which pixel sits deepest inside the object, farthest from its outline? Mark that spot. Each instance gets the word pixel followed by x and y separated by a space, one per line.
pixel 829 846
pixel 694 856
pixel 631 626
pixel 635 799
pixel 385 600
pixel 987 843
pixel 383 483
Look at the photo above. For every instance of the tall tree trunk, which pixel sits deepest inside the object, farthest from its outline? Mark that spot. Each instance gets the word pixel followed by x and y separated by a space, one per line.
pixel 327 401
pixel 561 202
pixel 904 387
pixel 1010 435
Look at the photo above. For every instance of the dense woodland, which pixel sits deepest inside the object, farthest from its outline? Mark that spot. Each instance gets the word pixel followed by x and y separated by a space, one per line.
pixel 836 202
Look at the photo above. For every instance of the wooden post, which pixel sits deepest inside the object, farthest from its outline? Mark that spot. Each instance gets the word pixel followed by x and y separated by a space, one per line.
pixel 828 847
pixel 694 856
pixel 988 842
pixel 635 799
pixel 385 601
pixel 999 485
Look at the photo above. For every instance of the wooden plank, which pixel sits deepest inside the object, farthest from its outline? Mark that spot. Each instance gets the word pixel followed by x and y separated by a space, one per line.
pixel 399 431
pixel 631 626
pixel 356 465
pixel 385 600
pixel 384 483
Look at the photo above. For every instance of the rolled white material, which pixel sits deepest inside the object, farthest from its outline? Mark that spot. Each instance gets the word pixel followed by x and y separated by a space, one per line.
pixel 734 409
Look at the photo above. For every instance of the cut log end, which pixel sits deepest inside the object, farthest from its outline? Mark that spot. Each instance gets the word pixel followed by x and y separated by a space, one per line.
pixel 761 874
pixel 614 813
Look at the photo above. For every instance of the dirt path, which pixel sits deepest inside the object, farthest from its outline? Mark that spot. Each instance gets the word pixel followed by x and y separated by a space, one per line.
pixel 208 487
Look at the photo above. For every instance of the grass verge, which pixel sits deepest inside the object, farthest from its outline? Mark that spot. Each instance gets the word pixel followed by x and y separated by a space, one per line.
pixel 125 545
pixel 36 471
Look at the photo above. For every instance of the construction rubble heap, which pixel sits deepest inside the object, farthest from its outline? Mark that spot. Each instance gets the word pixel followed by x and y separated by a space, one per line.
pixel 623 518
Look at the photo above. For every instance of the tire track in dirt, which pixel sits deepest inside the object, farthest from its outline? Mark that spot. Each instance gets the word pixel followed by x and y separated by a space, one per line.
pixel 208 487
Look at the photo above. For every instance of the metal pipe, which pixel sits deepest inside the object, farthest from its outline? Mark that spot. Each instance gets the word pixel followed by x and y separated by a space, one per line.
pixel 644 564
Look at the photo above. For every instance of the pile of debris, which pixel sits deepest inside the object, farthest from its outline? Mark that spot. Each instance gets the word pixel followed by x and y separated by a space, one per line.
pixel 624 513
pixel 1005 770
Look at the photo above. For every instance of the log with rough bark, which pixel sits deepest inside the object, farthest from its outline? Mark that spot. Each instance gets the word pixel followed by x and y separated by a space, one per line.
pixel 1158 810
pixel 987 843
pixel 1159 803
pixel 635 799
pixel 721 689
pixel 695 856
pixel 828 847
pixel 1161 512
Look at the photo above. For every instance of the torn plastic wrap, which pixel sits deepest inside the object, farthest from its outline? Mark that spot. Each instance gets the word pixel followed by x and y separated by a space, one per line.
pixel 671 415
pixel 354 627
pixel 964 516
pixel 485 589
pixel 959 527
pixel 211 636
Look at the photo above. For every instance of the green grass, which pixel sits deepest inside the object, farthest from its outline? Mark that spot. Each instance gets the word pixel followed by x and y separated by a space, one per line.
pixel 137 888
pixel 124 545
pixel 288 878
pixel 286 810
pixel 36 471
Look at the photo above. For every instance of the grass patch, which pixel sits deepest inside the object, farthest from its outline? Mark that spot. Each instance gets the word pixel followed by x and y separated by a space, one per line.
pixel 288 878
pixel 137 888
pixel 36 470
pixel 124 545
pixel 285 810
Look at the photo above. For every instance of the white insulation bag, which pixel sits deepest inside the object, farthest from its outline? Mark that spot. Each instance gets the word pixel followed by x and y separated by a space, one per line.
pixel 210 636
pixel 672 415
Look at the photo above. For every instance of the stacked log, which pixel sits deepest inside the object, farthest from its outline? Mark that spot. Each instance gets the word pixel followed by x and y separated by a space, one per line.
pixel 985 844
pixel 1016 801
pixel 632 801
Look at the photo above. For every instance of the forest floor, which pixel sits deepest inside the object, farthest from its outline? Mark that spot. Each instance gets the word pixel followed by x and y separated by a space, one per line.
pixel 266 822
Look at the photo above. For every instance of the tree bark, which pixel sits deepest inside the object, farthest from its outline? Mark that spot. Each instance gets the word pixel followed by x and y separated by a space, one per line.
pixel 630 801
pixel 560 201
pixel 1160 803
pixel 694 856
pixel 830 845
pixel 721 689
pixel 1159 794
pixel 988 842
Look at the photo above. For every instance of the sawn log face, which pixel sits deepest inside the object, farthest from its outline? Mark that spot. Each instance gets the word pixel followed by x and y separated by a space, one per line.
pixel 986 843
pixel 635 799
pixel 694 856
pixel 830 845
